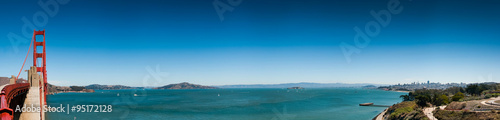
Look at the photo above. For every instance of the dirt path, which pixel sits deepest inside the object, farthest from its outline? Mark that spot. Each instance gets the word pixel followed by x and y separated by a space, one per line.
pixel 491 101
pixel 381 115
pixel 428 112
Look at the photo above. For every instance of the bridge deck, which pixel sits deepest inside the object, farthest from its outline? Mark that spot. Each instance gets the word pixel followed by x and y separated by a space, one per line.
pixel 32 98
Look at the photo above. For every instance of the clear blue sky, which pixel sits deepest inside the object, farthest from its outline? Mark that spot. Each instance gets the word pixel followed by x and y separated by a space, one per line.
pixel 260 41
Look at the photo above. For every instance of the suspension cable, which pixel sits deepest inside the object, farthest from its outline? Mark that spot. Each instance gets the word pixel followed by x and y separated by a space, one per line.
pixel 25 57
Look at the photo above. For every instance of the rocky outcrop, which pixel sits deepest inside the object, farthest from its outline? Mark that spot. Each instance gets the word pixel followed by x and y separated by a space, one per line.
pixel 185 85
pixel 295 88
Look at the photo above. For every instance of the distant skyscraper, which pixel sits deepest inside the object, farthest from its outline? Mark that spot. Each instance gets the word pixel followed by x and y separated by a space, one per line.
pixel 428 82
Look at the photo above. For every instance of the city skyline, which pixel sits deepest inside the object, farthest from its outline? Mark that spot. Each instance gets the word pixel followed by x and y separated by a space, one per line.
pixel 257 42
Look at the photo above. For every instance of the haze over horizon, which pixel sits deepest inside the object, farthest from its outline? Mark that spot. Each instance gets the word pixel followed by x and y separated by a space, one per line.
pixel 159 42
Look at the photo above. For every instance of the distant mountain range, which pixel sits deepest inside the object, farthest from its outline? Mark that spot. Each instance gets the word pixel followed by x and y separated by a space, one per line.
pixel 110 87
pixel 302 84
pixel 186 85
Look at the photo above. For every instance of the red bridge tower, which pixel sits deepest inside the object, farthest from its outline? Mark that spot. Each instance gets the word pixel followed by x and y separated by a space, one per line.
pixel 42 68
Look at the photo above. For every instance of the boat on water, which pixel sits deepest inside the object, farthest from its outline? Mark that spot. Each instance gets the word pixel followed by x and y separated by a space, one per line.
pixel 365 104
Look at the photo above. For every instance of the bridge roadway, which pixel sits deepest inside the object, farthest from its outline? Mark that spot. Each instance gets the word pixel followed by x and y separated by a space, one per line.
pixel 32 98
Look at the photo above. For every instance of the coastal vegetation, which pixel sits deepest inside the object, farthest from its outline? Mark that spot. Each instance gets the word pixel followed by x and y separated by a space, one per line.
pixel 437 97
pixel 461 103
pixel 465 115
pixel 458 96
pixel 407 110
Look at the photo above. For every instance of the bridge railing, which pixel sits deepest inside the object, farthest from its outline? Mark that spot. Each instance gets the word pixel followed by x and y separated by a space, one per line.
pixel 13 90
pixel 5 112
pixel 7 94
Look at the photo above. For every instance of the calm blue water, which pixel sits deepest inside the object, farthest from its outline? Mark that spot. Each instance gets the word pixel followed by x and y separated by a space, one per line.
pixel 228 104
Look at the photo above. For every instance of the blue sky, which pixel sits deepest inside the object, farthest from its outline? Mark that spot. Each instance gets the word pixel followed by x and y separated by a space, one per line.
pixel 258 42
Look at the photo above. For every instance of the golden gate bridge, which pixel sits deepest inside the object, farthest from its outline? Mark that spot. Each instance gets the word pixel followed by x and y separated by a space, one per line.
pixel 16 94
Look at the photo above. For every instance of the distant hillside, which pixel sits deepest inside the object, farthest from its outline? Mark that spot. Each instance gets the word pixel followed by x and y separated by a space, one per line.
pixel 302 84
pixel 52 89
pixel 6 80
pixel 110 87
pixel 185 85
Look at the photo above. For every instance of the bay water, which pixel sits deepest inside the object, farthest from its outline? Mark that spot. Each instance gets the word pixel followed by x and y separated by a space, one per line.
pixel 225 104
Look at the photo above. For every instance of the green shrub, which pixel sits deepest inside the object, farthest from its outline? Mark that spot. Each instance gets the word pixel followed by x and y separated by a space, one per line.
pixel 487 96
pixel 400 111
pixel 495 94
pixel 403 110
pixel 445 99
pixel 448 115
pixel 458 96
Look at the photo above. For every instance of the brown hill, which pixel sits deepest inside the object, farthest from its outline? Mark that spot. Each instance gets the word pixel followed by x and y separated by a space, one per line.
pixel 6 80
